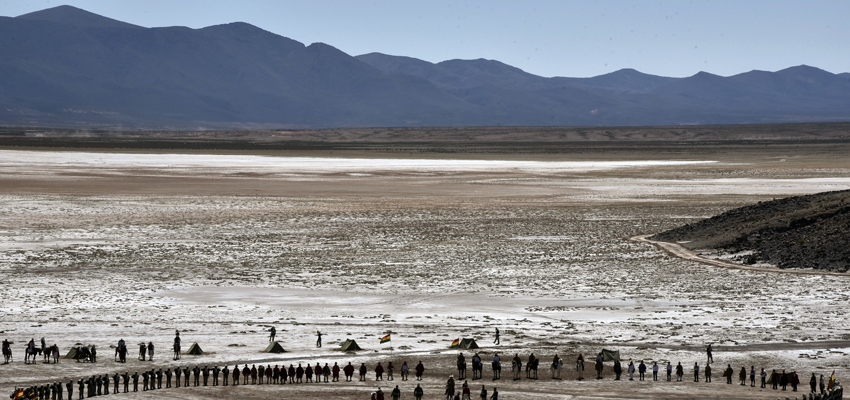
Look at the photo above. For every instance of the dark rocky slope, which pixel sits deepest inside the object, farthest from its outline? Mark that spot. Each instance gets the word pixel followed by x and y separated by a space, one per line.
pixel 810 231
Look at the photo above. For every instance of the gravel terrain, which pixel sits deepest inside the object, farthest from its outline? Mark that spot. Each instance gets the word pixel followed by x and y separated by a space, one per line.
pixel 98 246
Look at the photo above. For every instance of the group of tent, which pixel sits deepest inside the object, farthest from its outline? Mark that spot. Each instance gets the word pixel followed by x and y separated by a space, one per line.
pixel 348 345
pixel 75 354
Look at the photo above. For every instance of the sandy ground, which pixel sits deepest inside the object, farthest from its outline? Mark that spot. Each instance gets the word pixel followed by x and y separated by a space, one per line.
pixel 97 246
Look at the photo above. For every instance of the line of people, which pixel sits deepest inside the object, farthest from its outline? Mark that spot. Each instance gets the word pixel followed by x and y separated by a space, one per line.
pixel 153 379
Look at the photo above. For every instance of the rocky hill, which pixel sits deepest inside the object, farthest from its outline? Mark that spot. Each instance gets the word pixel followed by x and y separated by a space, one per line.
pixel 810 231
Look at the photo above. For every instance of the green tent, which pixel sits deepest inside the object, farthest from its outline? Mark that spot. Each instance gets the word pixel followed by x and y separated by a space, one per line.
pixel 468 343
pixel 350 345
pixel 72 354
pixel 195 350
pixel 274 347
pixel 610 355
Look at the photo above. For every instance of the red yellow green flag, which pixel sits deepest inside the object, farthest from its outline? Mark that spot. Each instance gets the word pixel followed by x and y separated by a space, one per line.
pixel 455 343
pixel 385 339
pixel 832 380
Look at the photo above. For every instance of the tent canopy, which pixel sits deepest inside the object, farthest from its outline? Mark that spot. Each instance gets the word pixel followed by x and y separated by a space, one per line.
pixel 350 345
pixel 468 343
pixel 610 355
pixel 195 350
pixel 274 347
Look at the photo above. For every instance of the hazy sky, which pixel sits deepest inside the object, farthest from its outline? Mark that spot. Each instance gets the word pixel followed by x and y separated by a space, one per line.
pixel 549 38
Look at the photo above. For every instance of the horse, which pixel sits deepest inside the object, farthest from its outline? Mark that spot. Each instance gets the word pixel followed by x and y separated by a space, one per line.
pixel 30 353
pixel 7 352
pixel 176 351
pixel 531 369
pixel 477 368
pixel 497 370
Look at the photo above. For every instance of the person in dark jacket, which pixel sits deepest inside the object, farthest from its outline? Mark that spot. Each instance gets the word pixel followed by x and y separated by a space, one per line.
pixel 379 372
pixel 417 392
pixel 783 380
pixel 419 370
pixel 363 371
pixel 618 370
pixel 814 383
pixel 707 372
pixel 348 370
pixel 396 393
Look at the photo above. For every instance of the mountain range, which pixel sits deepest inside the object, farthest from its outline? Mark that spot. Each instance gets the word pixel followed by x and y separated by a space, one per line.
pixel 65 66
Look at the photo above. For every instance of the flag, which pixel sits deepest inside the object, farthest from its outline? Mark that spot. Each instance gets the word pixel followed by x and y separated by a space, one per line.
pixel 831 380
pixel 455 343
pixel 385 339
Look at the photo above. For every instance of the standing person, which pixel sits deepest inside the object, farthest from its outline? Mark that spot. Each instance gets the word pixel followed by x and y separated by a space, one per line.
pixel 822 385
pixel 319 340
pixel 696 372
pixel 654 371
pixel 143 350
pixel 496 341
pixel 680 372
pixel 362 371
pixel 669 371
pixel 708 353
pixel 641 369
pixel 405 371
pixel 417 392
pixel 421 368
pixel 483 393
pixel 349 372
pixel 631 370
pixel 783 380
pixel 707 372
pixel 774 380
pixel 764 379
pixel 795 380
pixel 618 370
pixel 326 372
pixel 390 369
pixel 396 393
pixel 814 383
pixel 335 372
pixel 598 366
pixel 225 374
pixel 309 372
pixel 379 372
pixel 236 372
pixel 176 345
pixel 272 332
pixel 177 373
pixel 743 376
pixel 752 376
pixel 150 351
pixel 495 395
pixel 580 367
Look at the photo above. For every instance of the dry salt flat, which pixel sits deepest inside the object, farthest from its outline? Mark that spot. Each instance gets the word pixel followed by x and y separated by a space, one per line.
pixel 437 249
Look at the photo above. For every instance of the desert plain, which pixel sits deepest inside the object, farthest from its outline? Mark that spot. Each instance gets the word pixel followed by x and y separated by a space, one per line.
pixel 97 245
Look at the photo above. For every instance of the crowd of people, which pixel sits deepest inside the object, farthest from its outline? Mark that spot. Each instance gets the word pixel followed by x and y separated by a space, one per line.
pixel 156 379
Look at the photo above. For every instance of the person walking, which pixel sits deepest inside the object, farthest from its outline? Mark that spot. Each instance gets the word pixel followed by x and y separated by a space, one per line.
pixel 496 341
pixel 319 338
pixel 708 353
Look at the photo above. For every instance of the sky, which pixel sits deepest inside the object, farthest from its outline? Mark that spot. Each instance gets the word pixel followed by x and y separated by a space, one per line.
pixel 548 38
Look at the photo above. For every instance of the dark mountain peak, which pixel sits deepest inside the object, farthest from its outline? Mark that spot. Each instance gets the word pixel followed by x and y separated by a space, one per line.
pixel 806 73
pixel 76 17
pixel 702 75
pixel 482 65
